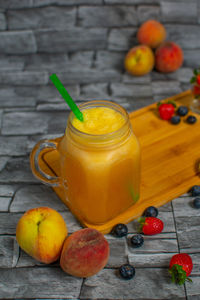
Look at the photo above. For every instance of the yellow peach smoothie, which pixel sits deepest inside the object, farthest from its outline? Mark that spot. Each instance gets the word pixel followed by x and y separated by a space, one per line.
pixel 99 120
pixel 100 159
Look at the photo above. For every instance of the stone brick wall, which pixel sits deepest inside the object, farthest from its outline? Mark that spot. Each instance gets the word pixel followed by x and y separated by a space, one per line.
pixel 84 42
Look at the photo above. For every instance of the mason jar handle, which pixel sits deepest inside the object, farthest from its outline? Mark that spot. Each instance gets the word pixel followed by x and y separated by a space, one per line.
pixel 35 165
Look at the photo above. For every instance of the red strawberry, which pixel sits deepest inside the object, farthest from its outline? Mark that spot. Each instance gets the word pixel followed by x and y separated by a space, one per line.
pixel 198 79
pixel 166 110
pixel 196 90
pixel 180 267
pixel 151 225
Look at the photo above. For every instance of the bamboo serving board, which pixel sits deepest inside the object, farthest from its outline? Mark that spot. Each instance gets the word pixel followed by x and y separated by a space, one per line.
pixel 170 160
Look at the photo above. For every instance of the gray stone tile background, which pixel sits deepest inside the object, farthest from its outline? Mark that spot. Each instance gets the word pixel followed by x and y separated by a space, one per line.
pixel 84 42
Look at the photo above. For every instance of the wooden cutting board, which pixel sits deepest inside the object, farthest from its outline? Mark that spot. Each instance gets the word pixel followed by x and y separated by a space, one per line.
pixel 170 159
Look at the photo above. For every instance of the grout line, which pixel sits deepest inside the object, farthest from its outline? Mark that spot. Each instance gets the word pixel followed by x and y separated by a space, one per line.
pixel 94 59
pixel 178 242
pixel 13 196
pixel 175 226
pixel 79 297
pixel 77 17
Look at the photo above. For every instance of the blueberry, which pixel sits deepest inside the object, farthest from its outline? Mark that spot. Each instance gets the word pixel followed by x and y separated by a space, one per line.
pixel 175 119
pixel 137 240
pixel 151 211
pixel 196 202
pixel 195 190
pixel 191 119
pixel 120 230
pixel 127 271
pixel 182 111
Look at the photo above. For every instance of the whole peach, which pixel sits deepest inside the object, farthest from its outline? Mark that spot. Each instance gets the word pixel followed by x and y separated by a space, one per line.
pixel 84 253
pixel 41 232
pixel 169 57
pixel 151 33
pixel 139 60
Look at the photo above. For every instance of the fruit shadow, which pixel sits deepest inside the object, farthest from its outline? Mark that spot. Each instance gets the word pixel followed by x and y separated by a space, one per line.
pixel 155 111
pixel 197 167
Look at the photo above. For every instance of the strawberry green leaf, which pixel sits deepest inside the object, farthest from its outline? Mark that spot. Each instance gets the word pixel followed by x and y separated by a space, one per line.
pixel 141 220
pixel 172 102
pixel 159 104
pixel 178 275
pixel 195 71
pixel 193 80
pixel 168 102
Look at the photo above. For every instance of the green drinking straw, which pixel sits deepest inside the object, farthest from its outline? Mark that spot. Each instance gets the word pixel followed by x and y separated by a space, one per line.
pixel 66 97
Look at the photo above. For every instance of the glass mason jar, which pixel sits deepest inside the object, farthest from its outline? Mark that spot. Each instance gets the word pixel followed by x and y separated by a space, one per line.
pixel 100 173
pixel 195 103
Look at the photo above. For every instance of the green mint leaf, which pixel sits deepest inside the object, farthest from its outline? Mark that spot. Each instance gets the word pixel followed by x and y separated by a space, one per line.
pixel 134 196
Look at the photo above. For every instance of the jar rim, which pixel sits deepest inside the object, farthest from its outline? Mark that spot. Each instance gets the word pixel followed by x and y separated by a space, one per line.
pixel 100 103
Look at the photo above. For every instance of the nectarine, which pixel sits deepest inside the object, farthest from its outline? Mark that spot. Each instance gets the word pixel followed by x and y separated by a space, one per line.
pixel 169 57
pixel 151 33
pixel 139 60
pixel 41 232
pixel 84 253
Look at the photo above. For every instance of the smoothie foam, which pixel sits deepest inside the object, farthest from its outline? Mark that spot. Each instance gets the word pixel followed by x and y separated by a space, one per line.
pixel 99 120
